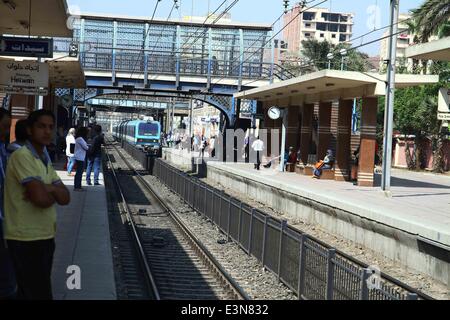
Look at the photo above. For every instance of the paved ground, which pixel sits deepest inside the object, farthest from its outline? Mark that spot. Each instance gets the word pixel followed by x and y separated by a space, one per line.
pixel 420 202
pixel 83 240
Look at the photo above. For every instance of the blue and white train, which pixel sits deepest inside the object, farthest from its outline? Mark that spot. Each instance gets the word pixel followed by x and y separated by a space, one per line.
pixel 145 134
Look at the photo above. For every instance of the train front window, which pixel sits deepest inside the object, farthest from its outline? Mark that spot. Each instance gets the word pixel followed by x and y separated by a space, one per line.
pixel 148 129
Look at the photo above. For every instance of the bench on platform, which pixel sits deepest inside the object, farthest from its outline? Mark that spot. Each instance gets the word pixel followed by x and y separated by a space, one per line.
pixel 290 167
pixel 307 169
pixel 327 174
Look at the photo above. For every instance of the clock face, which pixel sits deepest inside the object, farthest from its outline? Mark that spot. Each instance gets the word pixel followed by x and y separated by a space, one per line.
pixel 274 113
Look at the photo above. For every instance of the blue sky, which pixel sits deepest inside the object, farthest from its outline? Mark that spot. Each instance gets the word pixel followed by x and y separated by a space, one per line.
pixel 262 11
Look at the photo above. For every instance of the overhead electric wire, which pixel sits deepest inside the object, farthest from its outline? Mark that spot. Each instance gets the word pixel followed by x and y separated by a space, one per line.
pixel 145 38
pixel 268 41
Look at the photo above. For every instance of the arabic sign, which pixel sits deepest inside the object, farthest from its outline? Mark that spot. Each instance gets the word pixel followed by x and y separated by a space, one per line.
pixel 73 50
pixel 23 74
pixel 26 47
pixel 24 91
pixel 444 104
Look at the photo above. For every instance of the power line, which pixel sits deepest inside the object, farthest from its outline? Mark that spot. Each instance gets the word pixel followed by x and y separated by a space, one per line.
pixel 145 38
pixel 189 45
pixel 273 37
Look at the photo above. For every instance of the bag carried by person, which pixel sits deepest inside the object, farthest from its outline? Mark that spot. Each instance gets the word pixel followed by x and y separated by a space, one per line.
pixel 72 148
pixel 319 164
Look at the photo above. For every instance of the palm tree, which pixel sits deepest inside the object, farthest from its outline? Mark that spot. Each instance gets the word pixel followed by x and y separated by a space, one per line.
pixel 431 18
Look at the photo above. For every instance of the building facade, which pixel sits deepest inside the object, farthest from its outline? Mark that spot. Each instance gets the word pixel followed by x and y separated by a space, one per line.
pixel 316 23
pixel 404 40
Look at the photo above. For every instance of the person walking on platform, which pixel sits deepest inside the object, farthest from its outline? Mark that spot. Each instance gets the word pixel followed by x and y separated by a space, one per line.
pixel 95 156
pixel 21 137
pixel 81 147
pixel 258 146
pixel 32 190
pixel 8 285
pixel 70 150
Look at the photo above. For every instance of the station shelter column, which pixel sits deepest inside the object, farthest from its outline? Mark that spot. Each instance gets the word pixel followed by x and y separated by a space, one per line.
pixel 292 136
pixel 324 129
pixel 21 106
pixel 269 125
pixel 344 123
pixel 306 131
pixel 368 142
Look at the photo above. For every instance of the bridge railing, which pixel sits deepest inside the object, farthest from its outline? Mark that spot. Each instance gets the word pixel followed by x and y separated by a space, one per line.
pixel 134 61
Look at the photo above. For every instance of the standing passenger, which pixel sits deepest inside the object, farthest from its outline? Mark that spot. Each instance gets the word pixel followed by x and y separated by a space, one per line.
pixel 95 156
pixel 32 189
pixel 70 150
pixel 8 286
pixel 81 147
pixel 258 146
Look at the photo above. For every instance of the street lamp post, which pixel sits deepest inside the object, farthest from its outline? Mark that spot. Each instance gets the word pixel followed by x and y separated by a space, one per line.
pixel 343 53
pixel 389 106
pixel 330 57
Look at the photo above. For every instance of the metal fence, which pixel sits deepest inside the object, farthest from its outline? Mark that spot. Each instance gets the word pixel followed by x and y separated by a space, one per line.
pixel 309 267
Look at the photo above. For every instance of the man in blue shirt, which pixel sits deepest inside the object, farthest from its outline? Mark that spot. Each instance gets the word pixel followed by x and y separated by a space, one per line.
pixel 8 285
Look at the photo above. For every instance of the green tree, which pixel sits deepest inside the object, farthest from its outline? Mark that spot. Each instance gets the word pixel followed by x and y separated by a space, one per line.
pixel 313 57
pixel 415 113
pixel 431 18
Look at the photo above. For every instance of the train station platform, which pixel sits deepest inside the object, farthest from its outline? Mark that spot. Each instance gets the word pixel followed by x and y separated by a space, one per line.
pixel 83 240
pixel 411 227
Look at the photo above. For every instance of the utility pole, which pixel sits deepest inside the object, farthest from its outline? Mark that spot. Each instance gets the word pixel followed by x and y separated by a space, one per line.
pixel 390 92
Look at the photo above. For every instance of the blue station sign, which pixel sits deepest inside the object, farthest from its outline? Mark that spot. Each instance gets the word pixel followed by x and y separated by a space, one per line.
pixel 26 47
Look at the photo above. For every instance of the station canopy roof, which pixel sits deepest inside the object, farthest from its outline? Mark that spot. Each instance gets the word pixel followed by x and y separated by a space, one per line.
pixel 438 50
pixel 328 85
pixel 48 18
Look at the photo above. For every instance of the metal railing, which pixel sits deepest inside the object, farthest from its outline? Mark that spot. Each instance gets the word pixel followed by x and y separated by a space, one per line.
pixel 309 267
pixel 129 60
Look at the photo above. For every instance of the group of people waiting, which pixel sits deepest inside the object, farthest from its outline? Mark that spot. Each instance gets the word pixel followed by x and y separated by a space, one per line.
pixel 29 191
pixel 84 149
pixel 290 157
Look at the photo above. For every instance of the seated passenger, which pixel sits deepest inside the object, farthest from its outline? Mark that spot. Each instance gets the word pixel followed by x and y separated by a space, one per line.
pixel 292 156
pixel 326 163
pixel 32 190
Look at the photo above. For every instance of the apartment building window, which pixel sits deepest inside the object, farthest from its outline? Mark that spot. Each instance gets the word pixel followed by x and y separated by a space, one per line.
pixel 344 18
pixel 307 35
pixel 342 37
pixel 333 27
pixel 308 25
pixel 322 35
pixel 333 36
pixel 321 26
pixel 342 28
pixel 308 15
pixel 334 17
pixel 325 16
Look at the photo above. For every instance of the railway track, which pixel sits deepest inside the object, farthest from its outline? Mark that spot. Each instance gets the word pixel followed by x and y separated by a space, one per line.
pixel 175 265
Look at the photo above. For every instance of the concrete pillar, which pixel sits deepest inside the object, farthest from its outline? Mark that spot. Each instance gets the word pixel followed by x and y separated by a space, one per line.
pixel 368 142
pixel 293 125
pixel 324 130
pixel 306 131
pixel 21 107
pixel 344 123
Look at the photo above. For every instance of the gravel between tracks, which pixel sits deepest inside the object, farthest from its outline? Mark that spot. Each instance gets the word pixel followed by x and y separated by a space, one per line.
pixel 247 271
